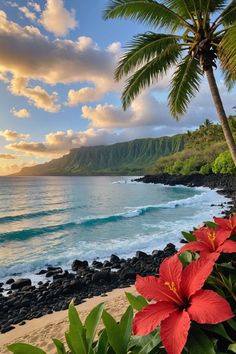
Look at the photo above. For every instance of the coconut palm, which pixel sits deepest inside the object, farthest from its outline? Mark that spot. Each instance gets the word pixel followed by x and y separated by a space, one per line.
pixel 199 35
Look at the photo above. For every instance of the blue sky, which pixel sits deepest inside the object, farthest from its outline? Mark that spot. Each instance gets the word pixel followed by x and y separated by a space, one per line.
pixel 56 83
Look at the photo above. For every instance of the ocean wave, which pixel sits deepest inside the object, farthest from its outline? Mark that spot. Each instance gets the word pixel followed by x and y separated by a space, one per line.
pixel 9 218
pixel 199 199
pixel 27 233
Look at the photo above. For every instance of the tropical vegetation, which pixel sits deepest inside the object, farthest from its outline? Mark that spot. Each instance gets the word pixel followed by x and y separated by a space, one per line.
pixel 188 308
pixel 192 36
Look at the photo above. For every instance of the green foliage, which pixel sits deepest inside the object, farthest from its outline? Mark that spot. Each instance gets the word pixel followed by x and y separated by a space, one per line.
pixel 224 164
pixel 202 148
pixel 137 302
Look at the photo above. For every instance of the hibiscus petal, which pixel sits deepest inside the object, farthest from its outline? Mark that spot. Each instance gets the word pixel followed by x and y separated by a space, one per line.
pixel 148 287
pixel 195 275
pixel 195 246
pixel 150 317
pixel 223 223
pixel 174 332
pixel 153 288
pixel 171 270
pixel 202 236
pixel 221 236
pixel 209 307
pixel 228 246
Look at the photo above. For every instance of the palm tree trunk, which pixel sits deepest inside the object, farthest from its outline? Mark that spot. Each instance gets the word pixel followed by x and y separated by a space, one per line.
pixel 221 113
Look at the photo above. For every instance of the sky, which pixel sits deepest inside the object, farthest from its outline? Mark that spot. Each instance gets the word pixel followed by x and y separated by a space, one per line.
pixel 57 91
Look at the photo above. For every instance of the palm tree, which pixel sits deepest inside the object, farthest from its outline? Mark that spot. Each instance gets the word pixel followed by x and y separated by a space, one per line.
pixel 202 33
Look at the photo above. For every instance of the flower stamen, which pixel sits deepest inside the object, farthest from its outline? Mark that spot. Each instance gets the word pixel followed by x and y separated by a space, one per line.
pixel 211 237
pixel 173 288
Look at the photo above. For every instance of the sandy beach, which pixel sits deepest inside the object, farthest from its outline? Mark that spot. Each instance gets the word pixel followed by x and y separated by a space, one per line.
pixel 40 331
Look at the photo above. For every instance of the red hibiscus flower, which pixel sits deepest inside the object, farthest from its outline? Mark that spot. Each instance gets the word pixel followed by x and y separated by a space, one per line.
pixel 179 299
pixel 227 224
pixel 211 242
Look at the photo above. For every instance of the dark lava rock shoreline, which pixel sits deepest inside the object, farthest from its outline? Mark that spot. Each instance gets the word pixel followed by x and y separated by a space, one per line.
pixel 224 183
pixel 25 302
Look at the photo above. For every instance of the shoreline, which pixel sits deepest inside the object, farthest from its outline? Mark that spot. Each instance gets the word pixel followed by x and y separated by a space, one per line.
pixel 224 184
pixel 84 282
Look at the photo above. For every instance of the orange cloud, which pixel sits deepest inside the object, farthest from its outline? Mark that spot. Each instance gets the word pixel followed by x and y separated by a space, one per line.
pixel 7 157
pixel 57 19
pixel 21 113
pixel 11 135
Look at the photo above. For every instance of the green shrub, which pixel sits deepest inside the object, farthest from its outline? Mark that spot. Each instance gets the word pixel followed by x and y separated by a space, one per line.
pixel 224 164
pixel 206 169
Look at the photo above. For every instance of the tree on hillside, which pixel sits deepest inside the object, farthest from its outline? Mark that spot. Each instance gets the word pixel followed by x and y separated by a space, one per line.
pixel 198 35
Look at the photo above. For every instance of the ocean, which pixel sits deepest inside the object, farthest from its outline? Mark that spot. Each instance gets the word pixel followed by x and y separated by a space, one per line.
pixel 54 220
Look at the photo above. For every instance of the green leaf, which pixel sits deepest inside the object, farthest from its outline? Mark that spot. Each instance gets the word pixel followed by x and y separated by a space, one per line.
pixel 152 344
pixel 76 334
pixel 147 11
pixel 149 73
pixel 115 337
pixel 91 323
pixel 102 343
pixel 60 346
pixel 232 324
pixel 126 326
pixel 198 342
pixel 232 347
pixel 142 49
pixel 137 302
pixel 218 329
pixel 210 224
pixel 185 258
pixel 188 236
pixel 184 85
pixel 22 348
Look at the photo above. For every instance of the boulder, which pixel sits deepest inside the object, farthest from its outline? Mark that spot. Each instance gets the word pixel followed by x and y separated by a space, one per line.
pixel 20 283
pixel 77 264
pixel 114 259
pixel 127 273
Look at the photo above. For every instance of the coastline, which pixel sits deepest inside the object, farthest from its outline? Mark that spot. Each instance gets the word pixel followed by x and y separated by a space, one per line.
pixel 49 300
pixel 224 184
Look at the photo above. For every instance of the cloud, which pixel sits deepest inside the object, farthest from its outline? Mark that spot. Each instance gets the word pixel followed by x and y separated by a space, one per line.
pixel 26 54
pixel 21 113
pixel 11 135
pixel 7 168
pixel 57 19
pixel 27 13
pixel 34 5
pixel 36 95
pixel 7 157
pixel 59 143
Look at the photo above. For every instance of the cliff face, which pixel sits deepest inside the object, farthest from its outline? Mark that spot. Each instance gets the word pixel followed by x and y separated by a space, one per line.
pixel 129 158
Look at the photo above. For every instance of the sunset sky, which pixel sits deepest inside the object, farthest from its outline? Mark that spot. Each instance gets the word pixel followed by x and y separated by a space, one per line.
pixel 56 83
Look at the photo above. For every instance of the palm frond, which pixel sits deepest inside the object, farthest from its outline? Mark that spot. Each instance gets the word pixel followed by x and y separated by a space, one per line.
pixel 228 16
pixel 183 7
pixel 229 79
pixel 149 12
pixel 227 50
pixel 142 49
pixel 185 83
pixel 150 73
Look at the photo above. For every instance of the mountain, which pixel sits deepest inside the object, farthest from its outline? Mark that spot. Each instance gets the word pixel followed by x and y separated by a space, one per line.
pixel 129 158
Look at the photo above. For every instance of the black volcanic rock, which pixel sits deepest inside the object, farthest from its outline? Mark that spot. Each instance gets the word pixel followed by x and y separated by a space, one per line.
pixel 77 264
pixel 20 283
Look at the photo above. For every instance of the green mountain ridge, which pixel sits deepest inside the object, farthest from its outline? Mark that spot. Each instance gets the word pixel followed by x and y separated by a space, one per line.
pixel 130 158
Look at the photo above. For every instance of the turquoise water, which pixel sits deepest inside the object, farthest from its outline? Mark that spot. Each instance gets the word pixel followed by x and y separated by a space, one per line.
pixel 53 220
